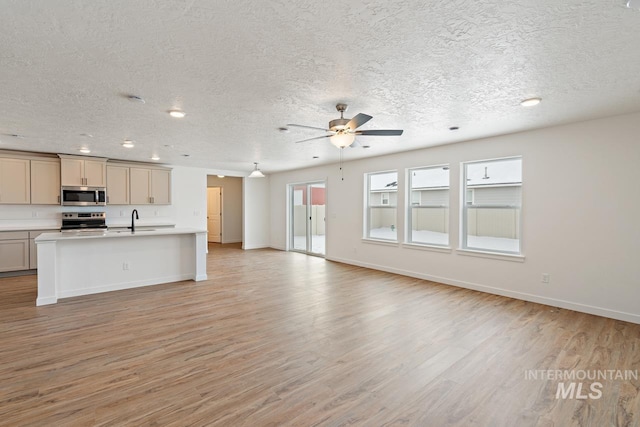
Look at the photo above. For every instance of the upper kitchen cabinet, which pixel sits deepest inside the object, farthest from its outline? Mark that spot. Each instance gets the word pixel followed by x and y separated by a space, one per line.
pixel 15 181
pixel 117 185
pixel 45 182
pixel 77 171
pixel 150 186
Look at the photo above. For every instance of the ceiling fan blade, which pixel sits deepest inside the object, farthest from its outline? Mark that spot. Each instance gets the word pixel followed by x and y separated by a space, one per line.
pixel 308 127
pixel 358 121
pixel 380 132
pixel 311 139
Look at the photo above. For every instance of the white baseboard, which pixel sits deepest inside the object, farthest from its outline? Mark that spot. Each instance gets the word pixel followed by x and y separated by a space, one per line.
pixel 225 241
pixel 46 301
pixel 583 308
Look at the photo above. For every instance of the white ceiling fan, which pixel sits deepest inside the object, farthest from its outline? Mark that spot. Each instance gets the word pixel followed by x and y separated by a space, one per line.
pixel 342 132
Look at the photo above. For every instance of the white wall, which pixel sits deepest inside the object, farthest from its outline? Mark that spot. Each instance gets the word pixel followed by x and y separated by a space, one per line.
pixel 580 207
pixel 256 212
pixel 231 206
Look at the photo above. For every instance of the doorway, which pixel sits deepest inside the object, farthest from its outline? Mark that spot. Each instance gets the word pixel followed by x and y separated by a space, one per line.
pixel 307 226
pixel 214 214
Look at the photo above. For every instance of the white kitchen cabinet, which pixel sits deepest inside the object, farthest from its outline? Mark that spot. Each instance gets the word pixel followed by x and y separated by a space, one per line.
pixel 15 181
pixel 14 250
pixel 45 182
pixel 78 172
pixel 150 186
pixel 117 185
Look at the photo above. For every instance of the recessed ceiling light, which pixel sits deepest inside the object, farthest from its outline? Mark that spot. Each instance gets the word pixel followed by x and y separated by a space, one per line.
pixel 84 150
pixel 177 114
pixel 186 155
pixel 16 135
pixel 155 157
pixel 530 102
pixel 454 128
pixel 220 176
pixel 283 129
pixel 316 157
pixel 88 135
pixel 366 146
pixel 127 143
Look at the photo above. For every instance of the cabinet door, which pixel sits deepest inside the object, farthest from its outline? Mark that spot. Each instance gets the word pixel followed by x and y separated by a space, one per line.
pixel 45 182
pixel 95 173
pixel 160 187
pixel 72 172
pixel 14 255
pixel 140 186
pixel 15 181
pixel 117 185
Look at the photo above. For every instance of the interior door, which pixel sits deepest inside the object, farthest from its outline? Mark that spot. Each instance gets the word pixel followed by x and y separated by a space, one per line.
pixel 307 218
pixel 214 214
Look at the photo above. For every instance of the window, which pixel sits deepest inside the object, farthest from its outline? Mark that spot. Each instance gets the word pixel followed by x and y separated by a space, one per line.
pixel 492 205
pixel 382 199
pixel 428 211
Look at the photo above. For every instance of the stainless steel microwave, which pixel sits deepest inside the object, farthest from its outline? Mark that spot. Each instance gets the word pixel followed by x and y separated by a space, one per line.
pixel 84 196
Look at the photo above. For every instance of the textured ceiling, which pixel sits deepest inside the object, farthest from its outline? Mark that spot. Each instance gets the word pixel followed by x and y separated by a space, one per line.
pixel 241 69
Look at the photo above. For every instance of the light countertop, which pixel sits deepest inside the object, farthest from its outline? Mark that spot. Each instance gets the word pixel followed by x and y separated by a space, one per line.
pixel 74 235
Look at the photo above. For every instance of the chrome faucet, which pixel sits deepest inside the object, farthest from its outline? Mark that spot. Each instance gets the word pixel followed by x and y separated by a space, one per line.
pixel 133 223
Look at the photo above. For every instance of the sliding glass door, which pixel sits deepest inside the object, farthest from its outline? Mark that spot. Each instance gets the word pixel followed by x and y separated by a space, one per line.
pixel 307 218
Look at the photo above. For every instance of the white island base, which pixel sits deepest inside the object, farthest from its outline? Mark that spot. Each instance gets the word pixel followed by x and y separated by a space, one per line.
pixel 82 263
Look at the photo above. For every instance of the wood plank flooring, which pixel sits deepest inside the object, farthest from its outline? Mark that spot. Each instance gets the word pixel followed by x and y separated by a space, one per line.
pixel 278 339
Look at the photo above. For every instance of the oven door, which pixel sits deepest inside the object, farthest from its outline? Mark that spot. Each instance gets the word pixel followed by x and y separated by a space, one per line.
pixel 83 196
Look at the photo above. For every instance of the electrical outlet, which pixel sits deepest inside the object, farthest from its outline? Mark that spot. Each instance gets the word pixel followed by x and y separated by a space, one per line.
pixel 125 265
pixel 546 277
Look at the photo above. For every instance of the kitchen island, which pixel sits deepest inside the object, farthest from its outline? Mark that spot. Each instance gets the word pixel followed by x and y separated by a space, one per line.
pixel 81 263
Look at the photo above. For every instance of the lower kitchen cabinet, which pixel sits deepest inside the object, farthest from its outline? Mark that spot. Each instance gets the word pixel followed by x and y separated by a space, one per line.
pixel 14 251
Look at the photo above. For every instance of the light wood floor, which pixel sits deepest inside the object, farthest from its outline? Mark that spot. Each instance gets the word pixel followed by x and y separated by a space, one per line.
pixel 277 338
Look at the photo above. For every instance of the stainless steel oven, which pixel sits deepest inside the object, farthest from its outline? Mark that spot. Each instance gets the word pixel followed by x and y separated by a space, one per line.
pixel 84 196
pixel 83 221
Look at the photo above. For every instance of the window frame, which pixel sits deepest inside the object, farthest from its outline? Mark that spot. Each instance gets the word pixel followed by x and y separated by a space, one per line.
pixel 368 206
pixel 410 206
pixel 464 207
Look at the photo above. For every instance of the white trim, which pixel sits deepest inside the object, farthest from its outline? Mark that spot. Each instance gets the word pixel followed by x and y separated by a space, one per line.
pixel 380 242
pixel 491 255
pixel 583 308
pixel 427 247
pixel 46 300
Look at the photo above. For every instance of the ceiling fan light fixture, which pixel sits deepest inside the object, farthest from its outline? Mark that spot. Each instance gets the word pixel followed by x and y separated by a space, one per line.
pixel 530 102
pixel 256 173
pixel 178 114
pixel 342 140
